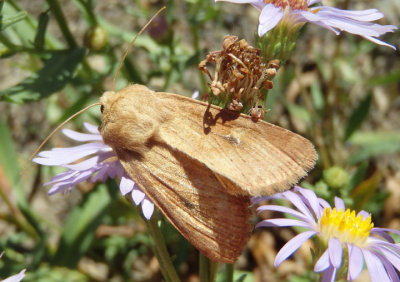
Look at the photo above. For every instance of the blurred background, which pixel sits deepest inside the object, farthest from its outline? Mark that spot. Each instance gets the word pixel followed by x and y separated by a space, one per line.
pixel 340 92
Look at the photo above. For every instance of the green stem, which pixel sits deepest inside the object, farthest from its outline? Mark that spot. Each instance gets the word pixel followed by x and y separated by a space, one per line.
pixel 196 44
pixel 208 269
pixel 160 249
pixel 229 272
pixel 62 22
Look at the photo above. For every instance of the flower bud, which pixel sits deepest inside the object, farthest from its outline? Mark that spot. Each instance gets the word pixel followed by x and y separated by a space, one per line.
pixel 336 177
pixel 95 38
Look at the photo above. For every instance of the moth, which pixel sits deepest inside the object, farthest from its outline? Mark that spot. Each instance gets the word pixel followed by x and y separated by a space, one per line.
pixel 200 164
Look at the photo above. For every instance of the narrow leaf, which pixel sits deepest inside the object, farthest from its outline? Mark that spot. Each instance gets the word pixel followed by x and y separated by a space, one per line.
pixel 357 117
pixel 55 74
pixel 79 230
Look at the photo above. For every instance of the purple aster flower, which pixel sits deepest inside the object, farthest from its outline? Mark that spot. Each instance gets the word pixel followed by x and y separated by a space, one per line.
pixel 274 12
pixel 16 277
pixel 340 231
pixel 91 161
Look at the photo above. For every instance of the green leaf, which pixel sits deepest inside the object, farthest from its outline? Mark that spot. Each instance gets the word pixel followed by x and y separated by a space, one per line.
pixel 317 96
pixel 10 167
pixel 358 116
pixel 374 144
pixel 393 77
pixel 357 177
pixel 55 74
pixel 8 156
pixel 79 230
pixel 299 112
pixel 6 21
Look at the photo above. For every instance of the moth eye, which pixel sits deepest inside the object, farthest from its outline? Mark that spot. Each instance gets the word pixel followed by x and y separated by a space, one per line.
pixel 101 108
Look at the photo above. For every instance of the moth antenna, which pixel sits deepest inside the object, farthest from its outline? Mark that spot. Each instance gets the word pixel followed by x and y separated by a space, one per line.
pixel 55 131
pixel 131 44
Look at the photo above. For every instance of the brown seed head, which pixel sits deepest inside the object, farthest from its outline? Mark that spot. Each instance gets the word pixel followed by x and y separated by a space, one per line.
pixel 239 75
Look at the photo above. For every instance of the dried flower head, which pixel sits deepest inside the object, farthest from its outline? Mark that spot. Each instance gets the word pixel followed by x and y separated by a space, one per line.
pixel 239 76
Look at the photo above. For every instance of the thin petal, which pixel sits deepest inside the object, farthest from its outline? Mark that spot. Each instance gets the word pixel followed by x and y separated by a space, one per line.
pixel 83 165
pixel 335 251
pixel 62 156
pixel 376 269
pixel 82 137
pixel 16 278
pixel 91 128
pixel 363 15
pixel 391 256
pixel 195 94
pixel 147 208
pixel 356 262
pixel 364 214
pixel 312 200
pixel 389 268
pixel 323 262
pixel 339 204
pixel 382 233
pixel 297 201
pixel 379 42
pixel 126 185
pixel 285 210
pixel 282 222
pixel 137 195
pixel 329 274
pixel 291 246
pixel 270 16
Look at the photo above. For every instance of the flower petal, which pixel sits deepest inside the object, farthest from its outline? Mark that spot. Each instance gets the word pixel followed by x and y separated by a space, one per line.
pixel 283 209
pixel 282 222
pixel 62 156
pixel 91 128
pixel 147 208
pixel 16 278
pixel 339 204
pixel 335 251
pixel 391 256
pixel 311 199
pixel 298 202
pixel 81 137
pixel 379 42
pixel 376 269
pixel 291 246
pixel 356 261
pixel 270 16
pixel 137 195
pixel 126 185
pixel 329 274
pixel 323 262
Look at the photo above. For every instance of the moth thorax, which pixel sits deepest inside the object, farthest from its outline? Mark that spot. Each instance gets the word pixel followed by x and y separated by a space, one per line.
pixel 129 122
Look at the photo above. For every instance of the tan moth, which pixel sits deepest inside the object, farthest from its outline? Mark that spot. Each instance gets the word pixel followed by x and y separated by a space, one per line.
pixel 200 164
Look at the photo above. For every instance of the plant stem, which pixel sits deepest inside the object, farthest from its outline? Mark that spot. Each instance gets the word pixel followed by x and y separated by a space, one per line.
pixel 160 250
pixel 207 269
pixel 229 272
pixel 62 22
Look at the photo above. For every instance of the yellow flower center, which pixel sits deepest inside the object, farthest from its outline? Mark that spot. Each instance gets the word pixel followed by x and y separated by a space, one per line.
pixel 345 226
pixel 293 4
